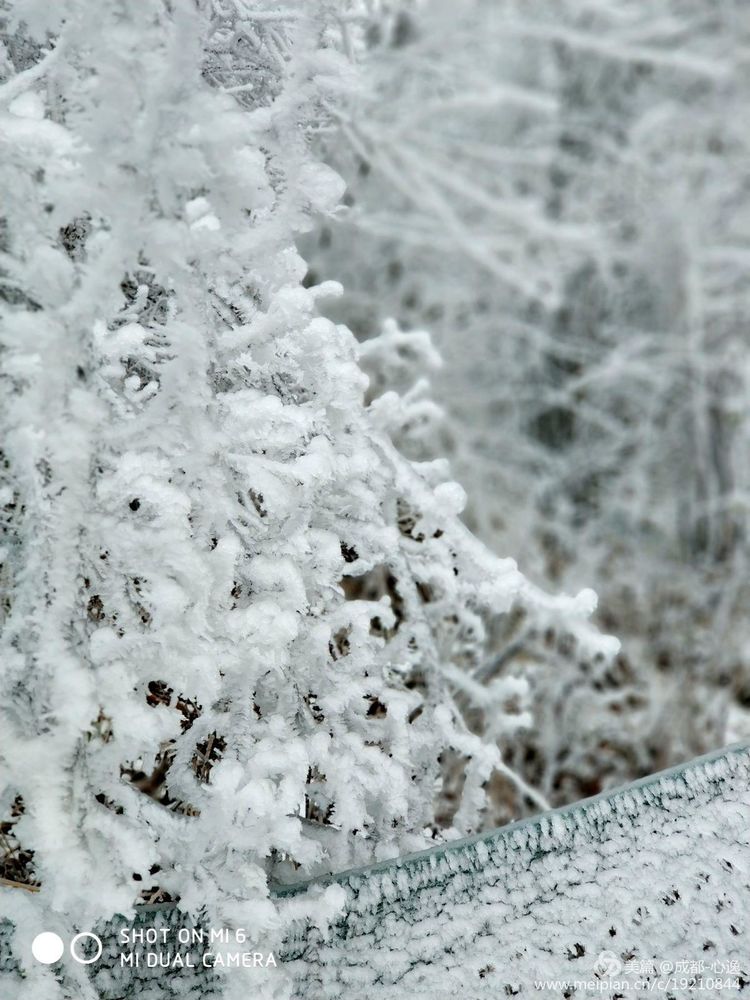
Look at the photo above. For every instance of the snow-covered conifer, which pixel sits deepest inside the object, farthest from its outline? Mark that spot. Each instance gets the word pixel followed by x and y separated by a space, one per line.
pixel 238 624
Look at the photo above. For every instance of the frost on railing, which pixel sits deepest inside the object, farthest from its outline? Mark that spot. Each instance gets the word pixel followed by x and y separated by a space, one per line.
pixel 646 883
pixel 641 889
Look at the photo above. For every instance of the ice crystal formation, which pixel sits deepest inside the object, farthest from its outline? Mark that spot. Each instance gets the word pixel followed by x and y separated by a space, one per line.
pixel 627 892
pixel 558 192
pixel 240 628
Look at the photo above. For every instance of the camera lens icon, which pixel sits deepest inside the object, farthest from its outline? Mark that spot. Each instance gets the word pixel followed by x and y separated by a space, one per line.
pixel 82 960
pixel 48 948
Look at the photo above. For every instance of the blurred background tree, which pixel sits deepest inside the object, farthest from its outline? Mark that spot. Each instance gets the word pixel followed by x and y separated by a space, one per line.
pixel 558 192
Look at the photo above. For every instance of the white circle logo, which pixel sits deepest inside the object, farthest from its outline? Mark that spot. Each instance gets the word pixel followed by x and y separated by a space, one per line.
pixel 608 964
pixel 80 937
pixel 47 948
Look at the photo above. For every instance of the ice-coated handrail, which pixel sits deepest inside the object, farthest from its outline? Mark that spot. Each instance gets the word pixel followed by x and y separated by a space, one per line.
pixel 495 835
pixel 696 764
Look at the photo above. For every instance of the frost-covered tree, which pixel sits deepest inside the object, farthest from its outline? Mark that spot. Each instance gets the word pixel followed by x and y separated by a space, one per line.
pixel 240 630
pixel 558 192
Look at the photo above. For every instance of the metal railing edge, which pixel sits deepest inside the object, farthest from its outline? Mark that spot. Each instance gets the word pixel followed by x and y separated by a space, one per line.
pixel 287 890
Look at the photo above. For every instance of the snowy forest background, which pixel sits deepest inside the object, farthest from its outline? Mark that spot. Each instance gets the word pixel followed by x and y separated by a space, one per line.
pixel 263 269
pixel 558 193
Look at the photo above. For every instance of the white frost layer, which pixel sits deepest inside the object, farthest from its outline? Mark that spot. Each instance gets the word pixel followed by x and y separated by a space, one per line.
pixel 659 871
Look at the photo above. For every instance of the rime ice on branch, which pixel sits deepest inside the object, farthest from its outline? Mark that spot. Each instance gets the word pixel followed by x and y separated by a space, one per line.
pixel 235 617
